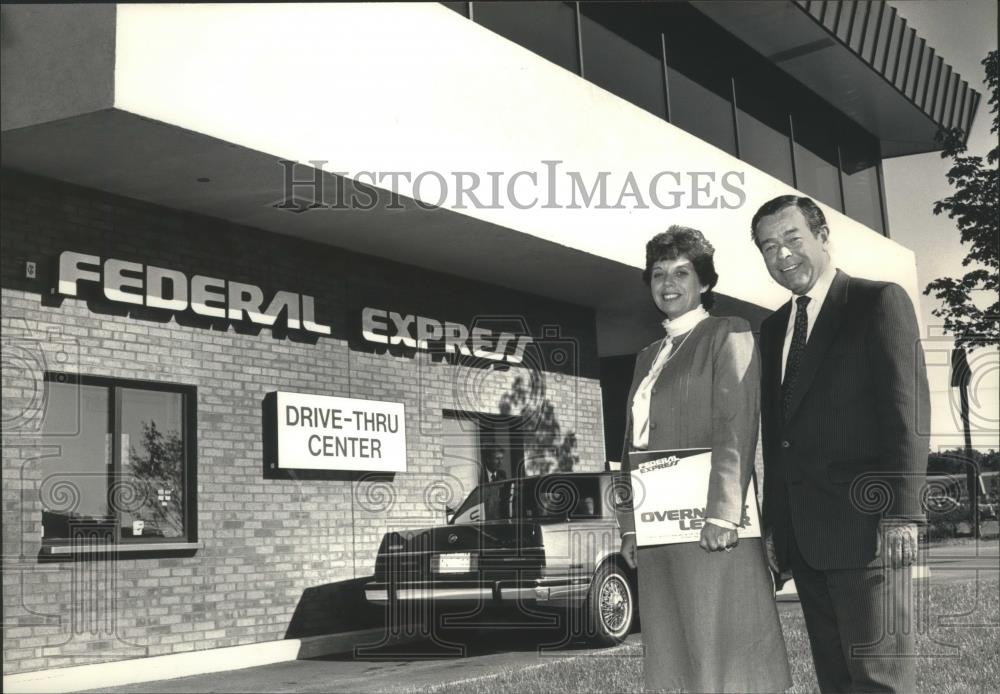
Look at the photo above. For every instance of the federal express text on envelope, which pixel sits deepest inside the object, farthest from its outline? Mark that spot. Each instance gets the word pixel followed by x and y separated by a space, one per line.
pixel 670 490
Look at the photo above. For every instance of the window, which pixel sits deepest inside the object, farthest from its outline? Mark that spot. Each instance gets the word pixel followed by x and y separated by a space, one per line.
pixel 549 498
pixel 700 58
pixel 714 87
pixel 576 497
pixel 478 448
pixel 625 57
pixel 762 117
pixel 859 158
pixel 122 463
pixel 705 113
pixel 461 7
pixel 489 502
pixel 816 159
pixel 545 28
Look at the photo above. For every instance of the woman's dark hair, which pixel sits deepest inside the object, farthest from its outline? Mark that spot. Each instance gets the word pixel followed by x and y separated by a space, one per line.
pixel 690 243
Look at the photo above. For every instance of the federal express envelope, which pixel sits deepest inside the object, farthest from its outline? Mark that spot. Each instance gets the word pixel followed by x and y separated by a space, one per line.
pixel 670 491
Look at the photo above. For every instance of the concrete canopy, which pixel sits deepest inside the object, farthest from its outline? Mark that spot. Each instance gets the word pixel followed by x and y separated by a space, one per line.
pixel 224 92
pixel 863 58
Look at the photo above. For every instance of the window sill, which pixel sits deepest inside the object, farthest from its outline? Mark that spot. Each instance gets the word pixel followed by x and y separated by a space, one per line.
pixel 125 548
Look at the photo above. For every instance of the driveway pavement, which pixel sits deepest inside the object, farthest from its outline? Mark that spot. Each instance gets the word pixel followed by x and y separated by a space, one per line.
pixel 415 665
pixel 427 663
pixel 960 562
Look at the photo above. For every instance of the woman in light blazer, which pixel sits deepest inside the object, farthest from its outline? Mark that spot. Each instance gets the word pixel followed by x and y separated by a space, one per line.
pixel 709 621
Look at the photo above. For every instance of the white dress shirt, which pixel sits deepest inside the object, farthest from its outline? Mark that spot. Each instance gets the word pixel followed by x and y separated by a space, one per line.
pixel 817 295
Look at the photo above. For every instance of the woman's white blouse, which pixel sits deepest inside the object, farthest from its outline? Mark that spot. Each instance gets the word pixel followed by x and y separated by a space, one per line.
pixel 640 402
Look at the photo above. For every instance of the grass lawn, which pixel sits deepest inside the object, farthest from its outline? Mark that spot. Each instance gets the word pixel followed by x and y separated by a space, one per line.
pixel 958 649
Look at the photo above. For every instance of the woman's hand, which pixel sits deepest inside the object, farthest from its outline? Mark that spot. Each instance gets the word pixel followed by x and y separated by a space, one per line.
pixel 629 553
pixel 717 539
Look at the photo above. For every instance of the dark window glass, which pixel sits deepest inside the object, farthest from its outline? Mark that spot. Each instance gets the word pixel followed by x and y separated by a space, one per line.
pixel 461 7
pixel 860 158
pixel 703 112
pixel 501 449
pixel 627 61
pixel 546 28
pixel 123 468
pixel 700 58
pixel 488 502
pixel 578 496
pixel 816 166
pixel 622 45
pixel 538 498
pixel 763 128
pixel 75 481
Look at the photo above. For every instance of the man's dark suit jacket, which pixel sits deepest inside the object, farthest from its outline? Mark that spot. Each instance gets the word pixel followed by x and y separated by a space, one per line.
pixel 852 449
pixel 501 475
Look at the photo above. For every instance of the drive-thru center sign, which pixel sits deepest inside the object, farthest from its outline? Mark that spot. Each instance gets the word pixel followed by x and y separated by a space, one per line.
pixel 321 432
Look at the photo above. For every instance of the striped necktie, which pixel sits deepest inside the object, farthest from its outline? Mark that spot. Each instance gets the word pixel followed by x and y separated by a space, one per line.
pixel 795 351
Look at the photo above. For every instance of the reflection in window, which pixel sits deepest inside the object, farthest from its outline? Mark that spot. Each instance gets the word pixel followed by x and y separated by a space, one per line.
pixel 153 459
pixel 122 470
pixel 545 28
pixel 631 68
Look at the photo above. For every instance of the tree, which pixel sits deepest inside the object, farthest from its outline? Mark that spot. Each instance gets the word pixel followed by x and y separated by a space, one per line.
pixel 545 446
pixel 158 478
pixel 956 461
pixel 975 206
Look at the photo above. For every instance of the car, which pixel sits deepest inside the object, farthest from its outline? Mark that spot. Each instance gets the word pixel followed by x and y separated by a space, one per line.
pixel 941 503
pixel 531 543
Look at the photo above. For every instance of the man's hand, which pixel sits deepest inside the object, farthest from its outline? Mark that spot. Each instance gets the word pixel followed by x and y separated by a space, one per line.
pixel 899 540
pixel 772 556
pixel 629 553
pixel 715 538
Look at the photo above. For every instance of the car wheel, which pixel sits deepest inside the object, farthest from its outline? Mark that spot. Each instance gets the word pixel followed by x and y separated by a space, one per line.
pixel 610 606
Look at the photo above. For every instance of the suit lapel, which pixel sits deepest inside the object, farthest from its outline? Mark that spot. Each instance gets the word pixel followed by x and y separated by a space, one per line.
pixel 773 342
pixel 823 333
pixel 642 365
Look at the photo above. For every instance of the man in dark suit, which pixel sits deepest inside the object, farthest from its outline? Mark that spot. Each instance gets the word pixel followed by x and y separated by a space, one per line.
pixel 845 411
pixel 494 471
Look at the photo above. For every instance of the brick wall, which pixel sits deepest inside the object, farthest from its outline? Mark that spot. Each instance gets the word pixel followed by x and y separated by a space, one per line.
pixel 268 543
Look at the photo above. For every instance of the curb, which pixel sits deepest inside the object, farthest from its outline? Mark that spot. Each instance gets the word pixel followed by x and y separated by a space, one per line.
pixel 123 672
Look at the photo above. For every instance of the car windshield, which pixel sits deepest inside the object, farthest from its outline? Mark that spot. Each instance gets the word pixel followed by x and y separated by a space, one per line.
pixel 541 498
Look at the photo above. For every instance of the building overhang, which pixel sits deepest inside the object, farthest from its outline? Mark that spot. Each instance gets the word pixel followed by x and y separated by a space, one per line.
pixel 225 93
pixel 861 57
pixel 111 150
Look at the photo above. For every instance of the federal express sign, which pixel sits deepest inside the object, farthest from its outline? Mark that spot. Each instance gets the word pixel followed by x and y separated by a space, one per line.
pixel 321 432
pixel 171 290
